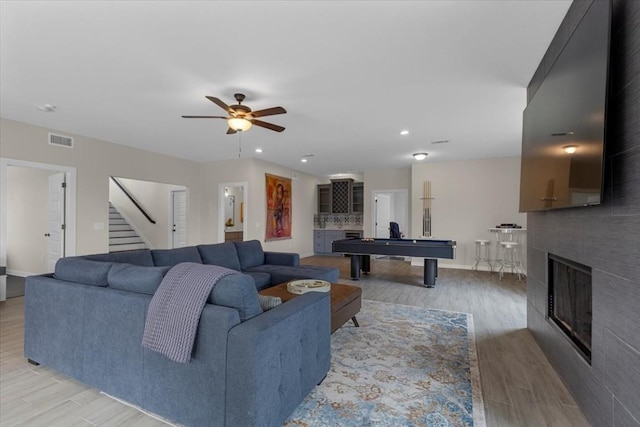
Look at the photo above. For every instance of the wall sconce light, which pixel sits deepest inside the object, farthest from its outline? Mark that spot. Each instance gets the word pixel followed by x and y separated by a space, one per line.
pixel 226 191
pixel 420 156
pixel 570 149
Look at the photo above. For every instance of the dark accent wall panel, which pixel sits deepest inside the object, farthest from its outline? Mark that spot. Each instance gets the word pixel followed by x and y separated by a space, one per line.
pixel 605 237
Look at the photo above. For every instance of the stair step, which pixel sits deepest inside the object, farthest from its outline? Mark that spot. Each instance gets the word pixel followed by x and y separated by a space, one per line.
pixel 120 227
pixel 124 240
pixel 122 237
pixel 124 233
pixel 126 247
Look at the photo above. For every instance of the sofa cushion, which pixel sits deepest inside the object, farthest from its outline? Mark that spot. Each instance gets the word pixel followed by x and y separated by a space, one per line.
pixel 237 291
pixel 261 279
pixel 222 254
pixel 250 253
pixel 81 270
pixel 137 257
pixel 134 278
pixel 281 274
pixel 171 257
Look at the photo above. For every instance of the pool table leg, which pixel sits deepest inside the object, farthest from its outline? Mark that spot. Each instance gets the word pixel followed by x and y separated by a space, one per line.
pixel 430 272
pixel 366 263
pixel 355 267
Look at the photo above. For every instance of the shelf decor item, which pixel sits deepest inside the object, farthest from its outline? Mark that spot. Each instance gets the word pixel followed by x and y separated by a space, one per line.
pixel 308 285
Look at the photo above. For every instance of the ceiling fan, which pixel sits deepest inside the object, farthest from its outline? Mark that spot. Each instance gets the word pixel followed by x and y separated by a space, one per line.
pixel 240 117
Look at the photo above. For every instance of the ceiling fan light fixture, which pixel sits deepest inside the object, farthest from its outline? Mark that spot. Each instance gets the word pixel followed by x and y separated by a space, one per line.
pixel 239 124
pixel 420 156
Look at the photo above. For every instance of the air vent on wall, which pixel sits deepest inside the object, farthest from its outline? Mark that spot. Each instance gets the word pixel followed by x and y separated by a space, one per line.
pixel 60 140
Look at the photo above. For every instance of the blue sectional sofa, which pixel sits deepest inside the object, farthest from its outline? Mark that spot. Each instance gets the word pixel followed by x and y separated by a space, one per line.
pixel 248 367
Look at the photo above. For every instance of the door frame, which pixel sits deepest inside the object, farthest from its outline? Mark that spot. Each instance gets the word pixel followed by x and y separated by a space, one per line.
pixel 374 194
pixel 70 209
pixel 221 203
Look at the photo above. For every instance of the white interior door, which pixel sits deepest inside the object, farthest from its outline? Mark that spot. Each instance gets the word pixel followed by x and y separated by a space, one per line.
pixel 383 215
pixel 179 218
pixel 56 232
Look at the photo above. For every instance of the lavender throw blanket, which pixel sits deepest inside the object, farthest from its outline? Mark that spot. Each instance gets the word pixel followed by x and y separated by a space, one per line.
pixel 175 309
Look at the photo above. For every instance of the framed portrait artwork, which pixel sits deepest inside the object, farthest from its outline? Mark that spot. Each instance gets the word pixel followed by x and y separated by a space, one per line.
pixel 278 207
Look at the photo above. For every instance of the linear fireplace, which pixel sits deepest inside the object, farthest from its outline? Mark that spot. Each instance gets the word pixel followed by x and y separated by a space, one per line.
pixel 570 301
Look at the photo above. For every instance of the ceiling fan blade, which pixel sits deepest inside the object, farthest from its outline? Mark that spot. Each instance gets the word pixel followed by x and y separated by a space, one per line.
pixel 203 117
pixel 270 126
pixel 231 131
pixel 219 103
pixel 269 112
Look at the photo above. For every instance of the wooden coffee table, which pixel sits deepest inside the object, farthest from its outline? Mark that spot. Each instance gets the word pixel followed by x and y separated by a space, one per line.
pixel 346 301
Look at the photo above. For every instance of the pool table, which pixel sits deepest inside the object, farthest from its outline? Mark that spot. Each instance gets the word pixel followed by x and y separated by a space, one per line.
pixel 430 249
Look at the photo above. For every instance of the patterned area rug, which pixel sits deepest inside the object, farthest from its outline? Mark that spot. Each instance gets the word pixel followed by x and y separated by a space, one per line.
pixel 404 366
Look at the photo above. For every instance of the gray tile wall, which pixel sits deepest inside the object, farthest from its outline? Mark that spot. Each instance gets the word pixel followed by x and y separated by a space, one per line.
pixel 605 237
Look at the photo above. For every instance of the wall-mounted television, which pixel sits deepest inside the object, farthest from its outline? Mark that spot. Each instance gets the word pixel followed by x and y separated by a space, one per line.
pixel 563 136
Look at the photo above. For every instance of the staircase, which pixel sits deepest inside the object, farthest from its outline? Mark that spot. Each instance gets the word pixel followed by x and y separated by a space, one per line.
pixel 122 237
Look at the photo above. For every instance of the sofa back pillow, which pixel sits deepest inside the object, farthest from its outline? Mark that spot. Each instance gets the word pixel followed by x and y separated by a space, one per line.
pixel 171 257
pixel 237 291
pixel 80 270
pixel 134 278
pixel 137 257
pixel 222 254
pixel 250 253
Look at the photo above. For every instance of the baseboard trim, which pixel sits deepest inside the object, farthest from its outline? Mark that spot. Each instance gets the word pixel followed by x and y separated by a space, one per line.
pixel 20 273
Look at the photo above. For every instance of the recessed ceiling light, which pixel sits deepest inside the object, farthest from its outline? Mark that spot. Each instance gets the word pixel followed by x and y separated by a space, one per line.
pixel 258 150
pixel 47 108
pixel 570 149
pixel 420 156
pixel 404 132
pixel 304 160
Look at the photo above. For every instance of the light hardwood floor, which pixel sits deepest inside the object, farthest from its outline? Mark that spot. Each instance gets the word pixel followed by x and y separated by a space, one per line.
pixel 519 386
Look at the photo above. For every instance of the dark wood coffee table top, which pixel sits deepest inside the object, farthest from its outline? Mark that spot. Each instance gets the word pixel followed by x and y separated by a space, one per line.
pixel 346 301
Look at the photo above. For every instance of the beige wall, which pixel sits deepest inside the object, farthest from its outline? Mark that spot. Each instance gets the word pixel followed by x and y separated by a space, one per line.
pixel 27 220
pixel 253 172
pixel 155 198
pixel 385 179
pixel 95 161
pixel 469 197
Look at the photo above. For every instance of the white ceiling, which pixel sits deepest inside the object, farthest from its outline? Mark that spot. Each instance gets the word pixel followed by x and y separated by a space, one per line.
pixel 351 75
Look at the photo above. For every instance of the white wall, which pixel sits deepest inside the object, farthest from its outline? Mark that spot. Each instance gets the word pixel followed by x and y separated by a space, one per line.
pixel 155 198
pixel 95 161
pixel 253 172
pixel 27 220
pixel 469 197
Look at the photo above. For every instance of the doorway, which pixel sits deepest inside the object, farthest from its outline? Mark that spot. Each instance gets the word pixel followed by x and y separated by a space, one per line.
pixel 179 218
pixel 389 205
pixel 147 214
pixel 38 204
pixel 232 211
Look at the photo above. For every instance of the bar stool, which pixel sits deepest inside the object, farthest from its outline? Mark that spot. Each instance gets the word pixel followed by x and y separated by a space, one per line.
pixel 510 258
pixel 482 254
